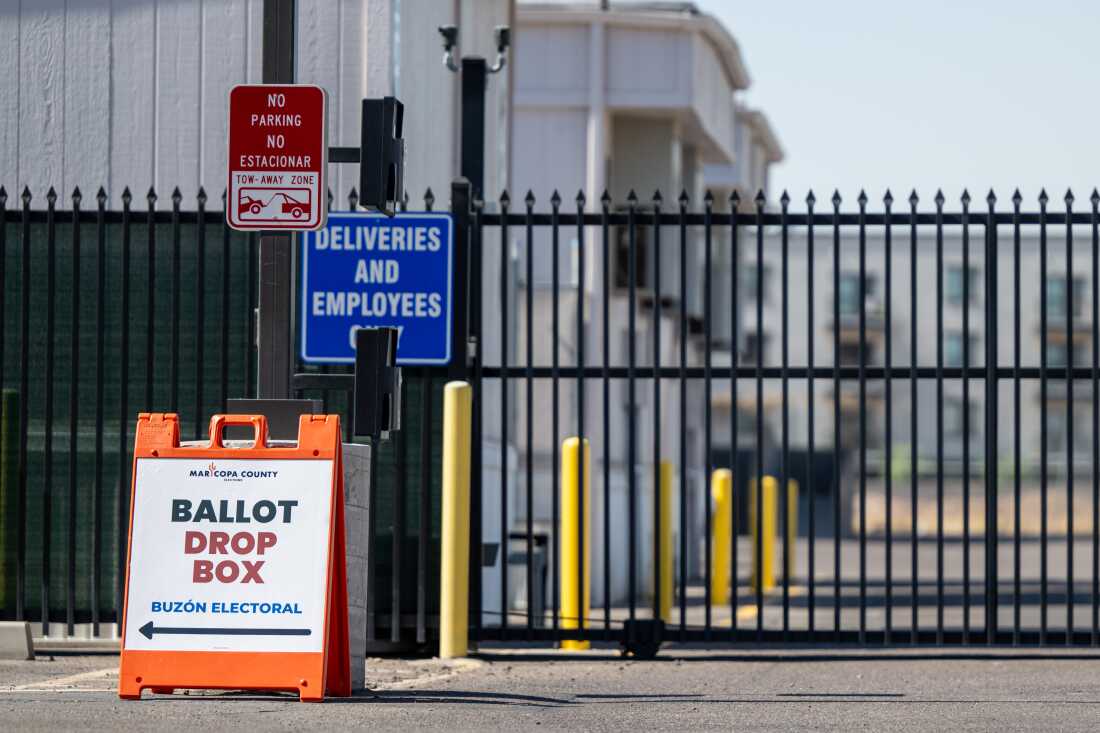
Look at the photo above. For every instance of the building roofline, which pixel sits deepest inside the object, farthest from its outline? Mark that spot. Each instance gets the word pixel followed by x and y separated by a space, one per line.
pixel 760 125
pixel 682 15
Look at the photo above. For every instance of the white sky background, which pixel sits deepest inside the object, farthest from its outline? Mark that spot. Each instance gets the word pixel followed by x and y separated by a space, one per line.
pixel 926 95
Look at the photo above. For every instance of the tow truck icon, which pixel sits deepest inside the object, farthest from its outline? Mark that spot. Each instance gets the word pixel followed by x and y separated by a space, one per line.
pixel 249 205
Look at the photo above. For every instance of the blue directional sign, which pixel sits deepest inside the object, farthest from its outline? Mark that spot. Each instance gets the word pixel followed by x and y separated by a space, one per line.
pixel 368 270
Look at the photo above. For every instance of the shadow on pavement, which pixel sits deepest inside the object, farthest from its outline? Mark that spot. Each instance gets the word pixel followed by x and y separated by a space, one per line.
pixel 467 697
pixel 900 654
pixel 378 697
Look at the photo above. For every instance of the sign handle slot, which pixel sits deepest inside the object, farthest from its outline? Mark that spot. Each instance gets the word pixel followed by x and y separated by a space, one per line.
pixel 258 423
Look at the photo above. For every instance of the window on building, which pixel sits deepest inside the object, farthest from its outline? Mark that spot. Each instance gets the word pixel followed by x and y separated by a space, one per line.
pixel 849 427
pixel 753 344
pixel 851 422
pixel 953 349
pixel 953 284
pixel 1057 353
pixel 641 254
pixel 1057 296
pixel 1082 433
pixel 746 276
pixel 953 412
pixel 1056 430
pixel 849 292
pixel 849 353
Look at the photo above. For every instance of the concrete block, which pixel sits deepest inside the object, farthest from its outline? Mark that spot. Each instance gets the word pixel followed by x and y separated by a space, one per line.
pixel 356 474
pixel 15 640
pixel 356 500
pixel 357 623
pixel 358 673
pixel 357 591
pixel 355 526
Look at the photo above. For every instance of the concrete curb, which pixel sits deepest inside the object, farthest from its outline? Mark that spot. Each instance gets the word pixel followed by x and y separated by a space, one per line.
pixel 70 645
pixel 15 640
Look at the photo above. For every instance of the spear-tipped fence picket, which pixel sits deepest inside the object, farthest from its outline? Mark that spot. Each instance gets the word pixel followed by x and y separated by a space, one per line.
pixel 128 305
pixel 123 306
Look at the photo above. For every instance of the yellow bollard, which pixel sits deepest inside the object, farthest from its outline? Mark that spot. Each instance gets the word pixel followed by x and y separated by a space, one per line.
pixel 766 542
pixel 791 534
pixel 574 511
pixel 455 545
pixel 665 531
pixel 721 491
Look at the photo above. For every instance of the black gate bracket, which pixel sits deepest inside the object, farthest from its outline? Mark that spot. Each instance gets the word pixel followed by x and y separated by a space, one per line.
pixel 343 155
pixel 642 638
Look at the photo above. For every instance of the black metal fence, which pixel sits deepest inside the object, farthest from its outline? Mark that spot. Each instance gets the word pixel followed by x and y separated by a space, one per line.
pixel 842 349
pixel 108 312
pixel 1000 545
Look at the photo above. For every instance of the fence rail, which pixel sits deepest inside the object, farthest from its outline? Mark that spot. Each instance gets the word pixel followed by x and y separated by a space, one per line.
pixel 138 304
pixel 105 313
pixel 726 336
pixel 862 591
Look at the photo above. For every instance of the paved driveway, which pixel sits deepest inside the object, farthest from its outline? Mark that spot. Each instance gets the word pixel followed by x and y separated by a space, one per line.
pixel 682 689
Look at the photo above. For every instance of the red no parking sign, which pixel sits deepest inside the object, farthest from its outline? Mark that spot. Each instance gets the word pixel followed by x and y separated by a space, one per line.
pixel 277 156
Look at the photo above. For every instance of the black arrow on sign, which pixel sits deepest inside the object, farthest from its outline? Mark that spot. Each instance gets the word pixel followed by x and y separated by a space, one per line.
pixel 148 630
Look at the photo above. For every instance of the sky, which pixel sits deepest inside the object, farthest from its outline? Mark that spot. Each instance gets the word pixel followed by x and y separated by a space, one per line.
pixel 926 94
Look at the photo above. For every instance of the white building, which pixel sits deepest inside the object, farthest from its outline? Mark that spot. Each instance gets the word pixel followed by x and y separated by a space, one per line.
pixel 135 92
pixel 964 293
pixel 642 97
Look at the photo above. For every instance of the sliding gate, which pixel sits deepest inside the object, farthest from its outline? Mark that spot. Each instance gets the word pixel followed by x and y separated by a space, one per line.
pixel 918 377
pixel 921 374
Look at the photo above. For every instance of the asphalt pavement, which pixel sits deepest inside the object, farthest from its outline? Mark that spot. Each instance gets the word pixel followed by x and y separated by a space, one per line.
pixel 821 689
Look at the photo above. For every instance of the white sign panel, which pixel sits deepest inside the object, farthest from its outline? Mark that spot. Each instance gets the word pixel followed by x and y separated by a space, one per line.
pixel 229 555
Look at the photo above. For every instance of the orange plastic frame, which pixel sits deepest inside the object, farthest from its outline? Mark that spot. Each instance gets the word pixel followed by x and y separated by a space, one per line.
pixel 312 675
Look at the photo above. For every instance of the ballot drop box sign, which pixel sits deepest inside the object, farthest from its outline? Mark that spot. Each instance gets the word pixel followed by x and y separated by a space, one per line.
pixel 230 558
pixel 236 575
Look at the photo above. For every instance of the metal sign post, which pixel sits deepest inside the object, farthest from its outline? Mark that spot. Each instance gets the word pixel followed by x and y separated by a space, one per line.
pixel 273 338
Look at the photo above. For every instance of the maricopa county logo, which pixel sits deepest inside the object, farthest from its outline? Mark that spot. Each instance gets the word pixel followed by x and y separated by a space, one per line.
pixel 230 474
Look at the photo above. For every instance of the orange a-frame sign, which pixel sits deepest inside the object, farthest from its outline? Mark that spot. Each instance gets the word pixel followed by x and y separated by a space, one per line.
pixel 237 575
